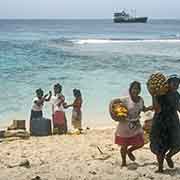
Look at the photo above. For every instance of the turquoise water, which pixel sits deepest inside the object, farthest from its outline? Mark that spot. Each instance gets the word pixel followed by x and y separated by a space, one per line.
pixel 97 56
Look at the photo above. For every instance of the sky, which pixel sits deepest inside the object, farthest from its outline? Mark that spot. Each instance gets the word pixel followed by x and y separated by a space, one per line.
pixel 83 9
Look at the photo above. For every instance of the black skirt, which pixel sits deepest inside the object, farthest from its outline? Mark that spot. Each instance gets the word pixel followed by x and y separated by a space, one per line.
pixel 165 131
pixel 36 114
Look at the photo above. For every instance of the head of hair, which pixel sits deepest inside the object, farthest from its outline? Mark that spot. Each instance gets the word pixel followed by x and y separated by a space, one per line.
pixel 57 88
pixel 173 78
pixel 39 92
pixel 77 92
pixel 135 83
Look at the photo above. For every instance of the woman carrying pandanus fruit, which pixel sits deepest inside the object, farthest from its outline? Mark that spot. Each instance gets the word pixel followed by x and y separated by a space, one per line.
pixel 165 131
pixel 129 132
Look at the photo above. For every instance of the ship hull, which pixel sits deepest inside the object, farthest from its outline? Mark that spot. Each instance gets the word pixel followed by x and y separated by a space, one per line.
pixel 131 20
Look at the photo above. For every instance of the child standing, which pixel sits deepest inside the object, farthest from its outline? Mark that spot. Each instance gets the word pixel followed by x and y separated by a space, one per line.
pixel 76 112
pixel 58 105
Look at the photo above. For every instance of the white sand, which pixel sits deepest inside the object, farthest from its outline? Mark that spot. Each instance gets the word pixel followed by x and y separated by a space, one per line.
pixel 70 157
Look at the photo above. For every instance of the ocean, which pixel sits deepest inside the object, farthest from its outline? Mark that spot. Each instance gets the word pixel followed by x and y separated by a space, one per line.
pixel 99 57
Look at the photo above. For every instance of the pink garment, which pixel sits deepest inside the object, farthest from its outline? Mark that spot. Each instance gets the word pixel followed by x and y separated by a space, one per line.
pixel 135 140
pixel 58 118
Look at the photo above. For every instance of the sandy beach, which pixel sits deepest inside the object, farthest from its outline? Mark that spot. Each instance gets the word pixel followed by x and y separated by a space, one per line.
pixel 75 157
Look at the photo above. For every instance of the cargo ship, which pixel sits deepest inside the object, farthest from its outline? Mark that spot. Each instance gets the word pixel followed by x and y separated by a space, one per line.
pixel 123 17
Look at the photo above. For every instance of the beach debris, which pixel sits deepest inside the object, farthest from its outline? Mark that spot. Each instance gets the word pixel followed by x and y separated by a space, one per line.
pixel 100 150
pixel 24 163
pixel 74 132
pixel 17 124
pixel 102 156
pixel 16 133
pixel 93 172
pixel 36 178
pixel 2 133
pixel 133 166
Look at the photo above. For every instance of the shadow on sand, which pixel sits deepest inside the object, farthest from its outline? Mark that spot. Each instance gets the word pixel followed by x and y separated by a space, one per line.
pixel 171 172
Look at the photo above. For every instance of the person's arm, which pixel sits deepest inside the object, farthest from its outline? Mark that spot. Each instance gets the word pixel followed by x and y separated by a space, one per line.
pixel 65 105
pixel 49 98
pixel 148 108
pixel 68 105
pixel 156 105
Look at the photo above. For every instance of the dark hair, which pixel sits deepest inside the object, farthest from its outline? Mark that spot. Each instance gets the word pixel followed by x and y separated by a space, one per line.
pixel 39 91
pixel 57 86
pixel 76 92
pixel 173 78
pixel 138 84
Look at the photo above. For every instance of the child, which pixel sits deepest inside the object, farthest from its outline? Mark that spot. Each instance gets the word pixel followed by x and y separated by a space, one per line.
pixel 129 132
pixel 76 112
pixel 38 102
pixel 58 105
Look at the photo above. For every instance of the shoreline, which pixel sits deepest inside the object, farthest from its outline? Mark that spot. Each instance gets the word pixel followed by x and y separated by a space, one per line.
pixel 92 122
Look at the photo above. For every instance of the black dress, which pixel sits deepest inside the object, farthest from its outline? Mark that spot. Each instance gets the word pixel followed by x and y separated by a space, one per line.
pixel 165 132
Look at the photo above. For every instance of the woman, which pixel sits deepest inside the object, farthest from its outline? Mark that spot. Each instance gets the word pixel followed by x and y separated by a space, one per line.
pixel 76 112
pixel 38 102
pixel 58 105
pixel 37 106
pixel 165 132
pixel 129 133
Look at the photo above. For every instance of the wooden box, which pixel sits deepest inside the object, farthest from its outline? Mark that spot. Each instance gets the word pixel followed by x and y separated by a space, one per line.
pixel 19 124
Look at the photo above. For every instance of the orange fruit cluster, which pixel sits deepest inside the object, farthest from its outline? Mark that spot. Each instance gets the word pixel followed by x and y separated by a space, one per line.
pixel 119 110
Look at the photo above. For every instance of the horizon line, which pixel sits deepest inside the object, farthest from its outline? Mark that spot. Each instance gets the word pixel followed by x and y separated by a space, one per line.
pixel 80 18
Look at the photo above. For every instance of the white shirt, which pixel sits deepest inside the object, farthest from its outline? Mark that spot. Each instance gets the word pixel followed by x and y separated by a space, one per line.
pixel 55 100
pixel 35 107
pixel 134 109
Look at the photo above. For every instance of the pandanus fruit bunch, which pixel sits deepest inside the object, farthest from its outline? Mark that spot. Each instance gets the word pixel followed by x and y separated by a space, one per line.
pixel 157 84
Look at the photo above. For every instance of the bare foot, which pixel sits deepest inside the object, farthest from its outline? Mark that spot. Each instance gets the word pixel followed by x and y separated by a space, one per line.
pixel 123 165
pixel 131 155
pixel 159 171
pixel 170 162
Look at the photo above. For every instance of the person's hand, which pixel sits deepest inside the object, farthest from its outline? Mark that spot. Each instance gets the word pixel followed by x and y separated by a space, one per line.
pixel 111 110
pixel 45 95
pixel 65 105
